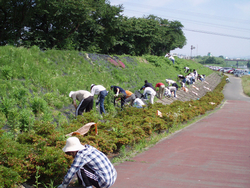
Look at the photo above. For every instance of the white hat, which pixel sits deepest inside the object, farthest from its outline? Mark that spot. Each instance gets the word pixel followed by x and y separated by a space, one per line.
pixel 71 93
pixel 92 85
pixel 73 144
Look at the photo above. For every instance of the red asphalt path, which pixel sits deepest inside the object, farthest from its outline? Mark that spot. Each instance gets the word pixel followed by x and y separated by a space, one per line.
pixel 213 152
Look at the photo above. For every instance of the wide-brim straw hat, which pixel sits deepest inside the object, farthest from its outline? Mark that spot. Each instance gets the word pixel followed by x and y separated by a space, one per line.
pixel 73 144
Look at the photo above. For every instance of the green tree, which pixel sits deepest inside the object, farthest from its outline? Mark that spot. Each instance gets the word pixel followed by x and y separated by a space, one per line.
pixel 248 64
pixel 14 15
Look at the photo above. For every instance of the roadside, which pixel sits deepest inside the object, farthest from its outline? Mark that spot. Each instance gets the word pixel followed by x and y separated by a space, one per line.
pixel 213 152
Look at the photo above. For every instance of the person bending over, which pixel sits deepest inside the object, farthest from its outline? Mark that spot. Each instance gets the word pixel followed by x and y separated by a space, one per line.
pixel 91 166
pixel 86 101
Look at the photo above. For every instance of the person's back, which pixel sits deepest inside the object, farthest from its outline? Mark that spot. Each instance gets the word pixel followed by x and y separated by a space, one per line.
pixel 147 84
pixel 80 95
pixel 138 103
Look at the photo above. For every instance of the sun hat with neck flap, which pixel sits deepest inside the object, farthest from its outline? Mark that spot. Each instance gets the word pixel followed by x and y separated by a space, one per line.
pixel 73 144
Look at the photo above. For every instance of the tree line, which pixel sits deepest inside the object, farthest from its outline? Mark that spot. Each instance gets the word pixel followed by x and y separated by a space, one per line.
pixel 86 25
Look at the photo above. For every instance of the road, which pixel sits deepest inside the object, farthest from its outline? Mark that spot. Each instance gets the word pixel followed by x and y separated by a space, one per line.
pixel 213 152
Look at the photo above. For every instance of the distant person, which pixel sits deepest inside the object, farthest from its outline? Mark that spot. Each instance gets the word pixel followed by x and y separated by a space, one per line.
pixel 119 91
pixel 170 57
pixel 172 90
pixel 147 84
pixel 195 74
pixel 167 92
pixel 161 87
pixel 151 92
pixel 102 93
pixel 130 97
pixel 186 69
pixel 138 103
pixel 86 101
pixel 180 77
pixel 175 85
pixel 170 82
pixel 201 77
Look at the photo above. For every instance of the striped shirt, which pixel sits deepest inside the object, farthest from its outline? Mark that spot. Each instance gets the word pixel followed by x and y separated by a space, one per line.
pixel 105 173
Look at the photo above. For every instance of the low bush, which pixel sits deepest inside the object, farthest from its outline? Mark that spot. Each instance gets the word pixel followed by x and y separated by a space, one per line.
pixel 37 113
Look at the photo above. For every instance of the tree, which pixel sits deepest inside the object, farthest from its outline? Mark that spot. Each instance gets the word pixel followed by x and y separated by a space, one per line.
pixel 248 64
pixel 14 15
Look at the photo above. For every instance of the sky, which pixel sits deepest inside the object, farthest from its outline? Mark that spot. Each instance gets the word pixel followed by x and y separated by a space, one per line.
pixel 221 27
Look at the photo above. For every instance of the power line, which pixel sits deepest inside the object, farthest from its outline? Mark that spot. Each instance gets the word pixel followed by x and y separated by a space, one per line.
pixel 232 19
pixel 205 23
pixel 213 33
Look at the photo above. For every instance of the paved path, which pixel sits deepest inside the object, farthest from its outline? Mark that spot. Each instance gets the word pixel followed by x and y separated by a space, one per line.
pixel 213 152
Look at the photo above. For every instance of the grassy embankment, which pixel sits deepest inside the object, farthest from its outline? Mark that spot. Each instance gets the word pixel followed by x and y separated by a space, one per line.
pixel 246 84
pixel 36 111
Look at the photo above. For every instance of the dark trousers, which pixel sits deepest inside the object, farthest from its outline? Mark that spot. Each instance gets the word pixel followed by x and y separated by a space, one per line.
pixel 87 180
pixel 85 104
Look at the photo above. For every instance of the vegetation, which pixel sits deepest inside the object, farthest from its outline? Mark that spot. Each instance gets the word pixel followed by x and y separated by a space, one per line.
pixel 246 84
pixel 36 112
pixel 220 61
pixel 89 25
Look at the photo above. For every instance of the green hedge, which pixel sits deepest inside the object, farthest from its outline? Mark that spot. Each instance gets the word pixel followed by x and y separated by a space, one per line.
pixel 42 146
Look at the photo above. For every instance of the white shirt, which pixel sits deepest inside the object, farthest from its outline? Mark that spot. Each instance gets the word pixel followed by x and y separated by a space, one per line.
pixel 170 82
pixel 167 91
pixel 171 57
pixel 172 88
pixel 138 102
pixel 97 89
pixel 149 91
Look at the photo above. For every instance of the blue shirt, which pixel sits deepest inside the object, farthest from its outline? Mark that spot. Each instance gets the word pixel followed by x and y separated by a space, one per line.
pixel 95 160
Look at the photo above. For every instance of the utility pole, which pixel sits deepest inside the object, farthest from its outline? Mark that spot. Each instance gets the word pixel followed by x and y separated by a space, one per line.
pixel 192 47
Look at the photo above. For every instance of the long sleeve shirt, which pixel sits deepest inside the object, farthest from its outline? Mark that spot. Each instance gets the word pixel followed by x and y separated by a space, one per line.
pixel 105 172
pixel 97 89
pixel 149 91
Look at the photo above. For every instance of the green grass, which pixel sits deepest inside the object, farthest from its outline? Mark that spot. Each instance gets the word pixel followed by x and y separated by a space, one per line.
pixel 245 80
pixel 36 83
pixel 37 113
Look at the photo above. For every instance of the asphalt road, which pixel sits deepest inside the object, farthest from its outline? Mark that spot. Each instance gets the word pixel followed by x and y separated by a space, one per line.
pixel 211 153
pixel 233 90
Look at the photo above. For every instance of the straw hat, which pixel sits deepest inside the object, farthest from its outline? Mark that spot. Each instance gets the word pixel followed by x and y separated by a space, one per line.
pixel 73 144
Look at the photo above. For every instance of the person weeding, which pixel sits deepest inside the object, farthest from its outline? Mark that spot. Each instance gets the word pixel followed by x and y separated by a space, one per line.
pixel 102 93
pixel 170 57
pixel 161 89
pixel 170 82
pixel 186 69
pixel 130 97
pixel 86 101
pixel 147 84
pixel 91 166
pixel 151 92
pixel 119 91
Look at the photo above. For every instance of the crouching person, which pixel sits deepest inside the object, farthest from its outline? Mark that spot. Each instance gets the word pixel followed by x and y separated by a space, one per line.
pixel 91 166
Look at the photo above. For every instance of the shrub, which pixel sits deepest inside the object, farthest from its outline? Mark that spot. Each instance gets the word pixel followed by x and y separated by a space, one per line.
pixel 38 105
pixel 7 72
pixel 8 177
